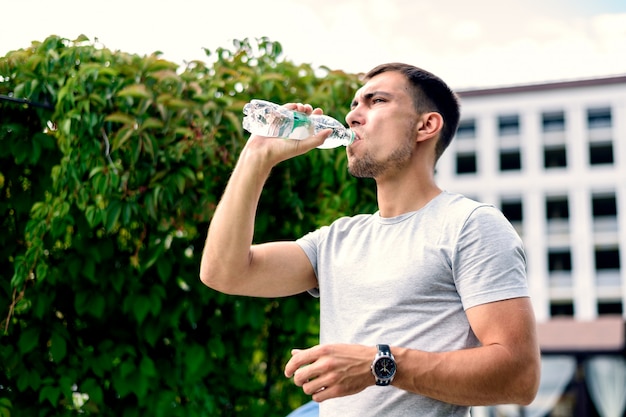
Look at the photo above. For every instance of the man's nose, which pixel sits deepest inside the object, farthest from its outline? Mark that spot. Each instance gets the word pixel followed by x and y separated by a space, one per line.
pixel 354 116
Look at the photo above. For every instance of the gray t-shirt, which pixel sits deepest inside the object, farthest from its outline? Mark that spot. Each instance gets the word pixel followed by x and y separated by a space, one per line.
pixel 407 281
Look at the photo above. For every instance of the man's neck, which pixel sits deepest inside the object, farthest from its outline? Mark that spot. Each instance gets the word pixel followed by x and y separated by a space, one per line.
pixel 399 197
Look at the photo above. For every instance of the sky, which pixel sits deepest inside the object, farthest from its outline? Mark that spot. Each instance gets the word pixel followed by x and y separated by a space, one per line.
pixel 468 43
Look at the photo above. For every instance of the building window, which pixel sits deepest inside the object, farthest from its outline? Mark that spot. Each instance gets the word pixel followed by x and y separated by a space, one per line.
pixel 557 215
pixel 607 259
pixel 555 157
pixel 559 260
pixel 512 210
pixel 560 267
pixel 607 267
pixel 599 118
pixel 510 160
pixel 604 211
pixel 508 125
pixel 562 309
pixel 466 163
pixel 466 129
pixel 600 153
pixel 610 308
pixel 604 205
pixel 553 122
pixel 557 208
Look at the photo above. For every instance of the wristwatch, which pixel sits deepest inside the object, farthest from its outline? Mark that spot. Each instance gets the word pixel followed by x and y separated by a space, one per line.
pixel 383 366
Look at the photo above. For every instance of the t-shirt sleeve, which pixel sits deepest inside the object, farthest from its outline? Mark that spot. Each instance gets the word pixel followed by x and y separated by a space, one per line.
pixel 309 244
pixel 489 263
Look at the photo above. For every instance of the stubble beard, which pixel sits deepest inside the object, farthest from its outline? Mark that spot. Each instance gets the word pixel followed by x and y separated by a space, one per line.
pixel 368 167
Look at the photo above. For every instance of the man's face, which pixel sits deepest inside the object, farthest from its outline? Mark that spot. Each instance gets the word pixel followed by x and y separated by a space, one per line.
pixel 384 119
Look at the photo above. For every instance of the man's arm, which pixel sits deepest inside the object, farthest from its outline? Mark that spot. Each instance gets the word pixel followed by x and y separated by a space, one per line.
pixel 504 370
pixel 230 263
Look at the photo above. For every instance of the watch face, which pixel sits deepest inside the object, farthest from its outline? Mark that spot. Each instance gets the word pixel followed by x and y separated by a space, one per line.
pixel 385 368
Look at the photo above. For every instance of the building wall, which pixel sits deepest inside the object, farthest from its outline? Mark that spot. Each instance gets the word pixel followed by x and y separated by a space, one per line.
pixel 553 158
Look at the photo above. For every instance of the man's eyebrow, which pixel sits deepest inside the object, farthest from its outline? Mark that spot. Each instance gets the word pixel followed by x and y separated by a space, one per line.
pixel 368 96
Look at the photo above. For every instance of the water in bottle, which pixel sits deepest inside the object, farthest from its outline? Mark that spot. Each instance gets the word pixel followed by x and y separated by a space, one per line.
pixel 269 119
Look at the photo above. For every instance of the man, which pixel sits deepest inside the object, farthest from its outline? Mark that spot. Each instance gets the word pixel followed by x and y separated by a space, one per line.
pixel 424 304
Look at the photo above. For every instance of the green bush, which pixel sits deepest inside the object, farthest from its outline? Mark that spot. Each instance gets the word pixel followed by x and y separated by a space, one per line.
pixel 111 165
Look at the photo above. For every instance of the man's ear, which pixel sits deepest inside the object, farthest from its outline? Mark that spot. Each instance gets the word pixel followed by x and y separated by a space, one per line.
pixel 429 126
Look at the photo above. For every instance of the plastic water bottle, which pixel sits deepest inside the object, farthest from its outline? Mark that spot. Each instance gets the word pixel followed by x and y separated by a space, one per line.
pixel 269 119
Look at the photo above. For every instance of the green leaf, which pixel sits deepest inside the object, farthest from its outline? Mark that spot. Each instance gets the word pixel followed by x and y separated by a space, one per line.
pixel 5 407
pixel 127 211
pixel 41 270
pixel 50 393
pixel 23 380
pixel 175 103
pixel 136 90
pixel 147 367
pixel 155 254
pixel 118 117
pixel 35 152
pixel 194 358
pixel 100 184
pixel 93 216
pixel 139 384
pixel 151 332
pixel 150 204
pixel 121 137
pixel 81 302
pixel 218 350
pixel 89 270
pixel 152 123
pixel 180 182
pixel 121 384
pixel 117 281
pixel 96 170
pixel 86 301
pixel 58 347
pixel 93 389
pixel 29 340
pixel 126 368
pixel 112 215
pixel 164 268
pixel 141 307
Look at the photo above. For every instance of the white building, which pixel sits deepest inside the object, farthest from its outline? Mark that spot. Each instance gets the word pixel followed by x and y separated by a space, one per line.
pixel 552 157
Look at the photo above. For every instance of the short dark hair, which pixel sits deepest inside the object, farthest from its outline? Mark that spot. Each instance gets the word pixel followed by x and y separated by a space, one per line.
pixel 431 93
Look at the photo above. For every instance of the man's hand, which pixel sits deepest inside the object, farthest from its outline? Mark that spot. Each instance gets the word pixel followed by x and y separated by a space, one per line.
pixel 329 371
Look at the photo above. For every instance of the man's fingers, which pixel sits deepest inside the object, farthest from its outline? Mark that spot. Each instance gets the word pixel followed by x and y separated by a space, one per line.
pixel 299 107
pixel 320 137
pixel 299 358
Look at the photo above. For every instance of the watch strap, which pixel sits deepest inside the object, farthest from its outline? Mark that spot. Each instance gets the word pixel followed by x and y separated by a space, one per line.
pixel 384 349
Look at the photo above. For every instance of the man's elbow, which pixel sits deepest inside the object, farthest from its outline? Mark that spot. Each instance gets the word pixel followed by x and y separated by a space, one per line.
pixel 528 381
pixel 215 277
pixel 207 277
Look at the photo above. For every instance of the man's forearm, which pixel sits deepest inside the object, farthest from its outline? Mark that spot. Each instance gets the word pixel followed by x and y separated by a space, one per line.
pixel 227 248
pixel 480 376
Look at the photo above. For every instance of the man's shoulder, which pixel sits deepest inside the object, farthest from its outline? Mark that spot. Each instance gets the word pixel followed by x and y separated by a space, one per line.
pixel 462 206
pixel 453 212
pixel 350 221
pixel 459 200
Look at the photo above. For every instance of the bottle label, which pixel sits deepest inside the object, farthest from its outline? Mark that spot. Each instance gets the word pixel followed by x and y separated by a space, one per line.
pixel 300 119
pixel 302 127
